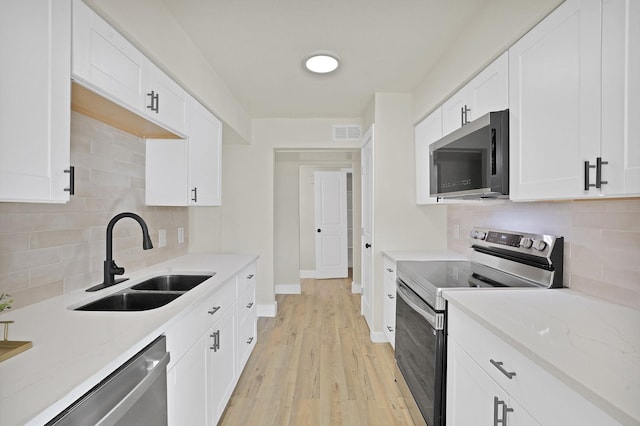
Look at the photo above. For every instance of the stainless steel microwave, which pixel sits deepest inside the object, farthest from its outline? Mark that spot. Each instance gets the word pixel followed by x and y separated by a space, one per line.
pixel 473 161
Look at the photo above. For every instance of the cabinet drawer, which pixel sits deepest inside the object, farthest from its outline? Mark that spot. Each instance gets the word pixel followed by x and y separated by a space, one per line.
pixel 545 397
pixel 191 327
pixel 246 303
pixel 389 269
pixel 247 278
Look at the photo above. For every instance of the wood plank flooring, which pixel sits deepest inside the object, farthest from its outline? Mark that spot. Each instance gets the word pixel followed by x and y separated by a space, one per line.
pixel 314 364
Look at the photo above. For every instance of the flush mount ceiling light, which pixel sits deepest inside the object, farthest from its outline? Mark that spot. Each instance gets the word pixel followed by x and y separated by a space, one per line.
pixel 321 63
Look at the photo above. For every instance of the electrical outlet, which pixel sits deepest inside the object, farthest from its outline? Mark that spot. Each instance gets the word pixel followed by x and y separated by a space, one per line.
pixel 162 238
pixel 180 235
pixel 456 232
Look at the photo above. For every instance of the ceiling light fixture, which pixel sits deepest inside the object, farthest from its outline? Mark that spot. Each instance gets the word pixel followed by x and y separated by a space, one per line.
pixel 321 63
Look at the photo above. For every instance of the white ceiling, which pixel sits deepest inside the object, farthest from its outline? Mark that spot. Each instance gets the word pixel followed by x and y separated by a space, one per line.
pixel 258 46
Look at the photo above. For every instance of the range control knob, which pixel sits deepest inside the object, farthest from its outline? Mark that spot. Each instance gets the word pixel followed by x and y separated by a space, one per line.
pixel 526 242
pixel 539 245
pixel 478 235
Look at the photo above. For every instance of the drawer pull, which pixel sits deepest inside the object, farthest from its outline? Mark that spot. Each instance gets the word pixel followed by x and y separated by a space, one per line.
pixel 390 296
pixel 250 276
pixel 390 329
pixel 214 310
pixel 250 305
pixel 498 365
pixel 250 340
pixel 216 341
pixel 389 270
pixel 496 404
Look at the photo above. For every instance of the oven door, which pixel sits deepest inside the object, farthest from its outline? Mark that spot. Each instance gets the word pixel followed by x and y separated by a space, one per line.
pixel 420 354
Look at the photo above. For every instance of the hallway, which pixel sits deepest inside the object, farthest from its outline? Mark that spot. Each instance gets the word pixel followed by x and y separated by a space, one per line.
pixel 314 364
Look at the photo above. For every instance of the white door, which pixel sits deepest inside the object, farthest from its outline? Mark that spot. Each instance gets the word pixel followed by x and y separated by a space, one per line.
pixel 332 259
pixel 366 304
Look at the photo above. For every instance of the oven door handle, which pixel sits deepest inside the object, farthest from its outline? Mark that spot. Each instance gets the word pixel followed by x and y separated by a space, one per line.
pixel 420 307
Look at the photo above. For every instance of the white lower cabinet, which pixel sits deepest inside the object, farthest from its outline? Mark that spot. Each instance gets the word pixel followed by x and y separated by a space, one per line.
pixel 247 316
pixel 474 398
pixel 221 365
pixel 482 367
pixel 389 301
pixel 187 387
pixel 208 353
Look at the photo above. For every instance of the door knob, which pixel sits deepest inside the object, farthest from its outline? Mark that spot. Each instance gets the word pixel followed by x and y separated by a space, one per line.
pixel 367 245
pixel 319 230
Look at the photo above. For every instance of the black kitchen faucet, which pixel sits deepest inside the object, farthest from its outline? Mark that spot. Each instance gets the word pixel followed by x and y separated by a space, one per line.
pixel 110 267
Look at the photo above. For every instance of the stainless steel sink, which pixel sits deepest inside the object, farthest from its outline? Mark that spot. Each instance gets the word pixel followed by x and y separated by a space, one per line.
pixel 149 294
pixel 172 282
pixel 130 301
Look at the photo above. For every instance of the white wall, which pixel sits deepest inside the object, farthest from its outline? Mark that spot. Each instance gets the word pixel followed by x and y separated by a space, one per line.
pixel 150 26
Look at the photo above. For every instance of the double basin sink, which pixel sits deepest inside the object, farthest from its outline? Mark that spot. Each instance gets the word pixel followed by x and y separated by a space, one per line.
pixel 149 294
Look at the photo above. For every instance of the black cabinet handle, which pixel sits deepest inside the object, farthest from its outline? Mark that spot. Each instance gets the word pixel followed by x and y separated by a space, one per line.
pixel 195 194
pixel 498 365
pixel 505 409
pixel 250 340
pixel 216 341
pixel 214 310
pixel 390 296
pixel 587 185
pixel 72 180
pixel 250 276
pixel 250 305
pixel 155 101
pixel 599 181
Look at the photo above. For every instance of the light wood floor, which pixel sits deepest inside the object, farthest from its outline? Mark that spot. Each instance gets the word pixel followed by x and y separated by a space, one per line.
pixel 314 364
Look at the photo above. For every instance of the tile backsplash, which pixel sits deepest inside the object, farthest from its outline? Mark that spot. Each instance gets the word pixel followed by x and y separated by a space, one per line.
pixel 50 249
pixel 602 239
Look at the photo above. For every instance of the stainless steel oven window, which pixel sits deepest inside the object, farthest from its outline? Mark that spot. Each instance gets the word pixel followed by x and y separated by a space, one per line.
pixel 420 353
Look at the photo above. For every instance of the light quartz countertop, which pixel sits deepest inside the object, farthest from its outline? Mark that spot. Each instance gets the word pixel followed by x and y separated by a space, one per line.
pixel 73 350
pixel 406 255
pixel 591 345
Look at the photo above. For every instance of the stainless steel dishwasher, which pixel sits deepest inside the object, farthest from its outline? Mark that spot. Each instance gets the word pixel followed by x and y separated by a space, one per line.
pixel 134 394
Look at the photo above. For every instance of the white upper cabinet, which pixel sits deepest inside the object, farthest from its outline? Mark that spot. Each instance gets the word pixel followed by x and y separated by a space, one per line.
pixel 205 157
pixel 106 62
pixel 166 102
pixel 620 98
pixel 573 90
pixel 186 172
pixel 35 100
pixel 486 92
pixel 426 132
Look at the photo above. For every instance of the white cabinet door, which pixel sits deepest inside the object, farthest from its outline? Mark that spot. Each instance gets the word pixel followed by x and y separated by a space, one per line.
pixel 106 62
pixel 166 172
pixel 554 103
pixel 221 369
pixel 488 91
pixel 205 157
pixel 426 132
pixel 473 398
pixel 167 102
pixel 35 100
pixel 187 387
pixel 620 97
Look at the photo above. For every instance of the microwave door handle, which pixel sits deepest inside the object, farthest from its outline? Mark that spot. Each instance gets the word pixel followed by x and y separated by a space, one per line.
pixel 424 312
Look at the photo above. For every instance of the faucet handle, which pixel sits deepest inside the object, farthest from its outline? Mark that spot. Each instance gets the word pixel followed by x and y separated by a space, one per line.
pixel 115 269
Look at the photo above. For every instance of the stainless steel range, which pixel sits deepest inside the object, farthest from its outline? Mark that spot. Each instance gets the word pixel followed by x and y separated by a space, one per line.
pixel 499 259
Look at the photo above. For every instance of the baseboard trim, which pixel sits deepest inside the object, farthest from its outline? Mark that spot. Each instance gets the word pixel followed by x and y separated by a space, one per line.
pixel 378 337
pixel 288 289
pixel 268 310
pixel 307 273
pixel 356 288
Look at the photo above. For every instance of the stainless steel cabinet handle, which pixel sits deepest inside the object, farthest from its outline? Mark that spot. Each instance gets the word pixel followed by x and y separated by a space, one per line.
pixel 390 296
pixel 505 409
pixel 216 341
pixel 154 101
pixel 250 340
pixel 250 276
pixel 498 365
pixel 390 329
pixel 250 305
pixel 214 310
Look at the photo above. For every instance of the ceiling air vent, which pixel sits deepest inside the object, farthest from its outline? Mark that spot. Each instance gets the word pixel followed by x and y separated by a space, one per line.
pixel 346 133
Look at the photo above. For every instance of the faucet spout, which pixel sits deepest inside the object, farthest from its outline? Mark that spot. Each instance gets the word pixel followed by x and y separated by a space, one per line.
pixel 110 267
